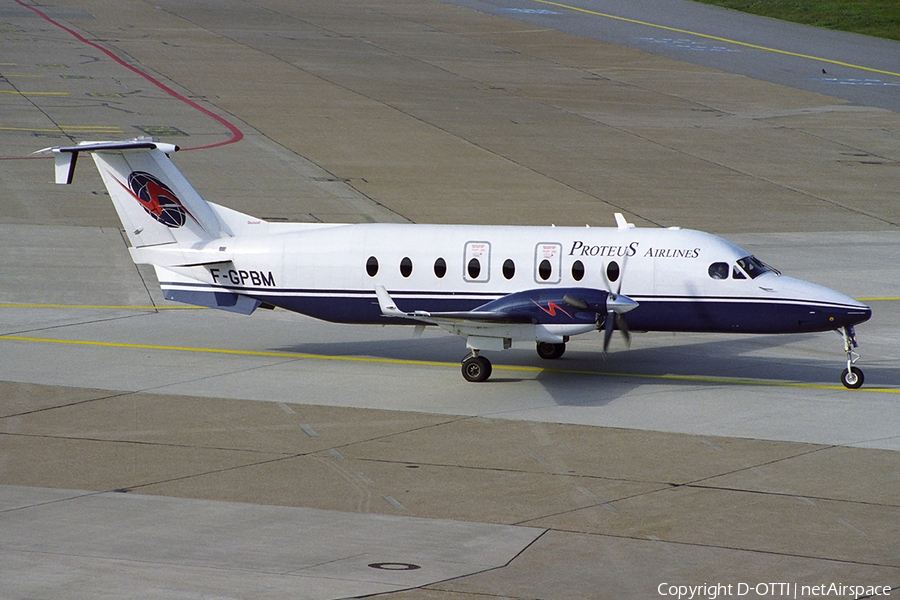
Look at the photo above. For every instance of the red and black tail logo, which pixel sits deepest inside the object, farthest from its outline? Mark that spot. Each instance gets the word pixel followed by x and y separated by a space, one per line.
pixel 157 199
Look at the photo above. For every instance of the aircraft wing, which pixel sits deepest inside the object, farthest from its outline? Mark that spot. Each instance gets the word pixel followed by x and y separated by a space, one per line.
pixel 389 309
pixel 546 306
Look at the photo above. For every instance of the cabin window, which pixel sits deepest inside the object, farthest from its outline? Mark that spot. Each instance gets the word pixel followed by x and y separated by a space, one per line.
pixel 406 267
pixel 718 270
pixel 578 270
pixel 474 268
pixel 545 269
pixel 440 268
pixel 612 271
pixel 509 268
pixel 372 266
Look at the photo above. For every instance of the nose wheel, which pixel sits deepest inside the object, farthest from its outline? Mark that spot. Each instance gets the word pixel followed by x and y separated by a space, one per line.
pixel 852 377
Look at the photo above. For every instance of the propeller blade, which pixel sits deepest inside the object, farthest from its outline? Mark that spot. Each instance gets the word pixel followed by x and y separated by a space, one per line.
pixel 622 275
pixel 622 324
pixel 608 324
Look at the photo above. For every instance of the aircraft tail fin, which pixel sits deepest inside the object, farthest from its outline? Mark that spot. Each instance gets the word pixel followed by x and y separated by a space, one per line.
pixel 155 202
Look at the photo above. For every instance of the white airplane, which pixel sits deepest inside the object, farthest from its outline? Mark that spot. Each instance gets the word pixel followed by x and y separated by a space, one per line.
pixel 489 284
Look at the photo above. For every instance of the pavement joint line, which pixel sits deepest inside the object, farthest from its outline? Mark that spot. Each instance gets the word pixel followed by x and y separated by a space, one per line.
pixel 429 363
pixel 65 129
pixel 714 37
pixel 120 307
pixel 136 442
pixel 696 544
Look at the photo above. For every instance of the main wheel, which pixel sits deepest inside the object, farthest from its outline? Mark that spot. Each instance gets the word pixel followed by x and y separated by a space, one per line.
pixel 852 378
pixel 476 369
pixel 550 351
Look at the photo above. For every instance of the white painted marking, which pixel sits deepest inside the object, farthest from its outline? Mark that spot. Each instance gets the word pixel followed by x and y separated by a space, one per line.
pixel 600 501
pixel 686 44
pixel 394 502
pixel 364 478
pixel 530 11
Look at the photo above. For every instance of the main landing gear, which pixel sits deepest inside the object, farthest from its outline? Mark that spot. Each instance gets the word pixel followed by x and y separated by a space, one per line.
pixel 852 377
pixel 550 351
pixel 476 368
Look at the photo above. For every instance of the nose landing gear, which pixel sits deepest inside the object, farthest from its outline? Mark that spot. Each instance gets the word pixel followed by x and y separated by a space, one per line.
pixel 852 377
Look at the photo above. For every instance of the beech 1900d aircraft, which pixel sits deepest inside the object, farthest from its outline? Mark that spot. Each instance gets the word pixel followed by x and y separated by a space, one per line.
pixel 489 284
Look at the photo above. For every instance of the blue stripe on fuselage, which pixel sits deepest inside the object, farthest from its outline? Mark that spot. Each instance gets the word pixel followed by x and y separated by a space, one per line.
pixel 716 314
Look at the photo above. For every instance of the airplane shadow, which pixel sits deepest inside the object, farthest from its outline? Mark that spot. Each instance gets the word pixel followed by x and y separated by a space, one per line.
pixel 584 376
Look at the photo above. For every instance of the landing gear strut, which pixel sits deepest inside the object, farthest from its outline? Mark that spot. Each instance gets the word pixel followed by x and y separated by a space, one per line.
pixel 852 377
pixel 476 368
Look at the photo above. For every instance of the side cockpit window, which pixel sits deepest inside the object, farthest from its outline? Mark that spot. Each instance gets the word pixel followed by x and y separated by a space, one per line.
pixel 719 270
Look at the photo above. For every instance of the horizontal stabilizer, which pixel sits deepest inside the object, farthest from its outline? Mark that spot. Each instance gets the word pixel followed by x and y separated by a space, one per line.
pixel 66 157
pixel 172 255
pixel 180 287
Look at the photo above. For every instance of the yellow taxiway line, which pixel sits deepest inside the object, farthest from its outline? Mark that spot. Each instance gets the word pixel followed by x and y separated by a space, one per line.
pixel 396 361
pixel 714 37
pixel 18 93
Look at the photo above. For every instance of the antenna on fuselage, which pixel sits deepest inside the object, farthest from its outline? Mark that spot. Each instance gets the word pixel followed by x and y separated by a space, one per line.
pixel 622 223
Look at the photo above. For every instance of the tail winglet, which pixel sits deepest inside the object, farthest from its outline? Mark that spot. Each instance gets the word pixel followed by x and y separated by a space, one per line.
pixel 67 156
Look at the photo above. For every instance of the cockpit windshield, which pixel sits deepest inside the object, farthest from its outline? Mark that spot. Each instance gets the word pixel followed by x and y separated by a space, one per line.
pixel 754 267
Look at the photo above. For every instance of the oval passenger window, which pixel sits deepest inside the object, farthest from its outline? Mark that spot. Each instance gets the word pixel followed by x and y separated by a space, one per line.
pixel 545 270
pixel 474 268
pixel 406 267
pixel 372 266
pixel 612 271
pixel 509 268
pixel 577 270
pixel 440 268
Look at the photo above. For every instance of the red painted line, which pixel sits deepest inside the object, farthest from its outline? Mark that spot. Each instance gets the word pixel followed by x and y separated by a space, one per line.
pixel 236 134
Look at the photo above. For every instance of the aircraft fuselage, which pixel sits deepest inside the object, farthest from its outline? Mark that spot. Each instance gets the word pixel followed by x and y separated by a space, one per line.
pixel 683 280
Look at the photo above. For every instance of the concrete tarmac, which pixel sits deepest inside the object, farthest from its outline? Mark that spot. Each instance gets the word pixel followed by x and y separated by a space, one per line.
pixel 152 450
pixel 860 69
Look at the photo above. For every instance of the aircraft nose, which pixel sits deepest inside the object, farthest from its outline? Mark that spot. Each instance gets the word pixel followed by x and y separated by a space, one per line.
pixel 855 315
pixel 620 303
pixel 827 307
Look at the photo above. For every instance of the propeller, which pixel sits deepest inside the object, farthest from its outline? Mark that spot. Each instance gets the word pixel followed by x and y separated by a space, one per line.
pixel 617 304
